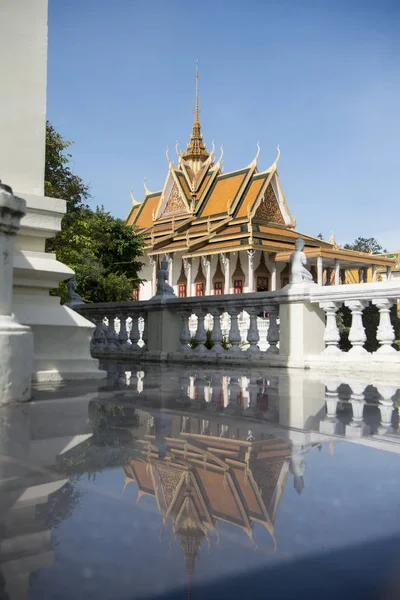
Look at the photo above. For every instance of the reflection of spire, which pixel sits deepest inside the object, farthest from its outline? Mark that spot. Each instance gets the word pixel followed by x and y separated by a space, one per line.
pixel 191 540
pixel 299 483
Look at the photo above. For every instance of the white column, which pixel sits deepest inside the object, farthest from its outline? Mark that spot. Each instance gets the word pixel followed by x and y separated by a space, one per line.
pixel 250 254
pixel 16 341
pixel 153 265
pixel 331 335
pixel 389 273
pixel 320 270
pixel 208 277
pixel 374 272
pixel 206 262
pixel 273 277
pixel 337 271
pixel 171 269
pixel 187 265
pixel 226 263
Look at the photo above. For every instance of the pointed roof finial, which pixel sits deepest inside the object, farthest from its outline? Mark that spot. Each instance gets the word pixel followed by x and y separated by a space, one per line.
pixel 196 108
pixel 196 148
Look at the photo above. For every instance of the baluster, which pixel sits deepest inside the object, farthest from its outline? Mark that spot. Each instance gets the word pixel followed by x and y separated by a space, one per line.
pixel 145 329
pixel 331 425
pixel 111 336
pixel 357 426
pixel 201 336
pixel 234 333
pixel 134 334
pixel 253 389
pixel 216 386
pixel 140 381
pixel 99 337
pixel 357 335
pixel 273 330
pixel 200 401
pixel 386 408
pixel 123 334
pixel 385 332
pixel 185 336
pixel 331 335
pixel 216 334
pixel 205 427
pixel 233 407
pixel 252 334
pixel 184 384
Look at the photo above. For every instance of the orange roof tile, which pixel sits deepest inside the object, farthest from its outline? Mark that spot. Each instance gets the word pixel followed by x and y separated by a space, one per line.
pixel 145 216
pixel 184 185
pixel 203 186
pixel 224 191
pixel 132 215
pixel 251 196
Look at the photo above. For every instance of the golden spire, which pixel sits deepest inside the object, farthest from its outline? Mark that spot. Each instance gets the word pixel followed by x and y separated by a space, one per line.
pixel 196 152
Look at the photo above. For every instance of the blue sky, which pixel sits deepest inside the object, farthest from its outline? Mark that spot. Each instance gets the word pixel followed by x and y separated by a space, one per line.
pixel 322 79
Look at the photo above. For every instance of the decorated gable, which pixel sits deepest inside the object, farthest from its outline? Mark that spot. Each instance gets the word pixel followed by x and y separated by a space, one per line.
pixel 268 209
pixel 175 202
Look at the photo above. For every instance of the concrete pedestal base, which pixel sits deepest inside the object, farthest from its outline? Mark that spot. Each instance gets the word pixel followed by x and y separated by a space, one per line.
pixel 16 350
pixel 62 339
pixel 302 329
pixel 163 330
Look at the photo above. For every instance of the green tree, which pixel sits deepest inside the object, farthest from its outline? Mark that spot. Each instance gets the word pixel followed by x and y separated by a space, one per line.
pixel 101 249
pixel 369 245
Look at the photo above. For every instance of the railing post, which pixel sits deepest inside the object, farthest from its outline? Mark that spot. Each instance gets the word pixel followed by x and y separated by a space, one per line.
pixel 201 336
pixel 216 334
pixel 216 386
pixel 184 336
pixel 233 407
pixel 234 333
pixel 111 335
pixel 252 334
pixel 385 332
pixel 331 425
pixel 273 330
pixel 331 335
pixel 357 335
pixel 134 335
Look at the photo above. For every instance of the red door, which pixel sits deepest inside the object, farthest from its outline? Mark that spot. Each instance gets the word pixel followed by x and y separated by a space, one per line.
pixel 238 286
pixel 182 291
pixel 217 288
pixel 199 289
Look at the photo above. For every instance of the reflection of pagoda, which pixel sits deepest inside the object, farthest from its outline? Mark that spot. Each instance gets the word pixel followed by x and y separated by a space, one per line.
pixel 202 479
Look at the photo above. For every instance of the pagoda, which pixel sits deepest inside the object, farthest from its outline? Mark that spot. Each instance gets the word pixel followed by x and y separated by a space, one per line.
pixel 230 232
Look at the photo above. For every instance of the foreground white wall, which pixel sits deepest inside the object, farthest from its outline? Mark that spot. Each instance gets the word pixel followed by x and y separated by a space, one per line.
pixel 61 337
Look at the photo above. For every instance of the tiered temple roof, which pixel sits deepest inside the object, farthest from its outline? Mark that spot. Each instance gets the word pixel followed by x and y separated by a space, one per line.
pixel 202 210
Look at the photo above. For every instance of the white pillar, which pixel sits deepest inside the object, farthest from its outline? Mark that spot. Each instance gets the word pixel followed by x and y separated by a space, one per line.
pixel 187 265
pixel 273 276
pixel 226 263
pixel 389 273
pixel 250 254
pixel 16 341
pixel 171 269
pixel 374 272
pixel 153 266
pixel 337 271
pixel 208 277
pixel 320 270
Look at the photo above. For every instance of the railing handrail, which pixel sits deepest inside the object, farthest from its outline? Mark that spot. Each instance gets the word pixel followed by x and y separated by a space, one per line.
pixel 356 291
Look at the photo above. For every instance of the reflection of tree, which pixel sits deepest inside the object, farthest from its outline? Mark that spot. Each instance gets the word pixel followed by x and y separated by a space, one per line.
pixel 111 445
pixel 60 506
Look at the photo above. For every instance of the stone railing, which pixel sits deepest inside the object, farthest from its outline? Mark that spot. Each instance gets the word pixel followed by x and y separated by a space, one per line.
pixel 301 327
pixel 357 297
pixel 232 319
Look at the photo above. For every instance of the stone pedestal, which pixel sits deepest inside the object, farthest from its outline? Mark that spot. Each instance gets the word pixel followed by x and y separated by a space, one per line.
pixel 16 341
pixel 302 324
pixel 164 327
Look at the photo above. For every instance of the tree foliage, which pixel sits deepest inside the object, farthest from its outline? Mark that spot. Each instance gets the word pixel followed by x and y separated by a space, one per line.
pixel 101 249
pixel 369 245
